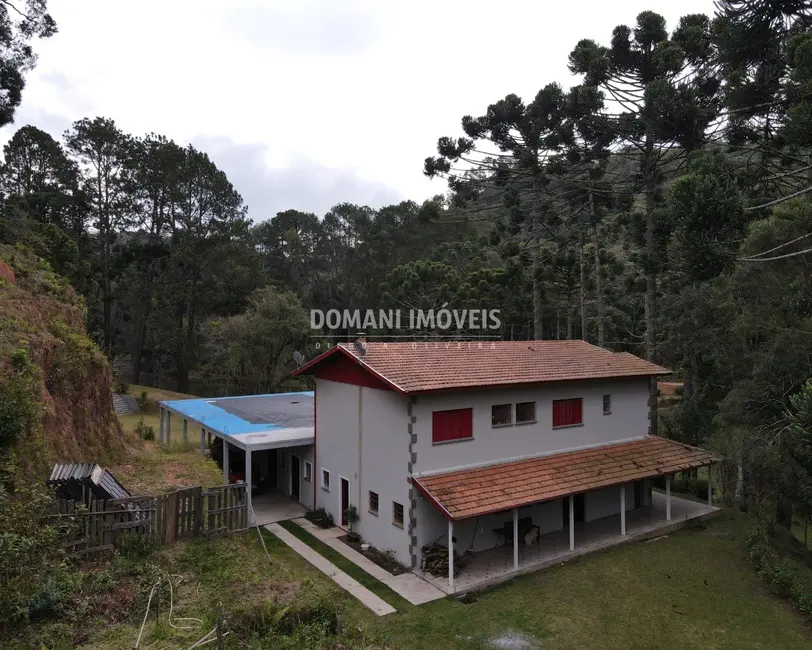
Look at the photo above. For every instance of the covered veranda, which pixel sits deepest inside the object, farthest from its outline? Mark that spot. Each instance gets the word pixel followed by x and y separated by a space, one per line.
pixel 246 436
pixel 463 495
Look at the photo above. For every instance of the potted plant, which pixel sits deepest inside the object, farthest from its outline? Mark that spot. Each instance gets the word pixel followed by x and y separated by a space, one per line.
pixel 352 518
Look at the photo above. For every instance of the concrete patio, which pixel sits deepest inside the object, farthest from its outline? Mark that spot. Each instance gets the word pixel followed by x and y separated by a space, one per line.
pixel 495 565
pixel 274 506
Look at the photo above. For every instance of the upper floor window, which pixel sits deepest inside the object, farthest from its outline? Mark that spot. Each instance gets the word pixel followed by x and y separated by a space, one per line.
pixel 525 412
pixel 501 414
pixel 607 404
pixel 568 412
pixel 457 424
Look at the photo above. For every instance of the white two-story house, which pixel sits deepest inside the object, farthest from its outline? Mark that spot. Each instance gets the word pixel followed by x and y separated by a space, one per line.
pixel 483 443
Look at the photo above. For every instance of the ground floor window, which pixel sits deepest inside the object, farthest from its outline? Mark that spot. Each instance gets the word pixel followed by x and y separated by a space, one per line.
pixel 397 514
pixel 325 479
pixel 373 502
pixel 308 471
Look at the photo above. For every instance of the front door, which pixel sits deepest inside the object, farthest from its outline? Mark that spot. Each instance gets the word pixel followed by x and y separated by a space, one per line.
pixel 294 476
pixel 345 500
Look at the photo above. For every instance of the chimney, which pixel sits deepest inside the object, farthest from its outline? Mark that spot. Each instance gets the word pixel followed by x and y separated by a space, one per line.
pixel 361 337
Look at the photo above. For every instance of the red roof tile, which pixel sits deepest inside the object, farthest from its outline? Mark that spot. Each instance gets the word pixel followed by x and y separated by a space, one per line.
pixel 426 366
pixel 468 493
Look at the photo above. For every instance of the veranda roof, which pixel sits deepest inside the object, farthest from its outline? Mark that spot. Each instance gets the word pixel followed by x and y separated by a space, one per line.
pixel 472 492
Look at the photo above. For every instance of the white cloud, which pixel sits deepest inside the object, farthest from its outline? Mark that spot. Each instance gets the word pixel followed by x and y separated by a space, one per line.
pixel 353 93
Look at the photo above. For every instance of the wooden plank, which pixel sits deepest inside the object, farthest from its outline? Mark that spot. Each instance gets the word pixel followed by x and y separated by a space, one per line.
pixel 171 518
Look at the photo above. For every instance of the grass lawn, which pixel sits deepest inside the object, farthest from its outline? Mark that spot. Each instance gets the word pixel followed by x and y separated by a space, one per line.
pixel 692 589
pixel 348 567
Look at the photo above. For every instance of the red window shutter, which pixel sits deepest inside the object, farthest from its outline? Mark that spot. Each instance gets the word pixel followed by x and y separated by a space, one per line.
pixel 567 412
pixel 452 425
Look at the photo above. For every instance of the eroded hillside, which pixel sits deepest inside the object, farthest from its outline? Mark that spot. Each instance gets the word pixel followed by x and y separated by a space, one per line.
pixel 55 397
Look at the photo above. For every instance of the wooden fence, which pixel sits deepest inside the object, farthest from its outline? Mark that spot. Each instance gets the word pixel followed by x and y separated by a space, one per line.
pixel 162 519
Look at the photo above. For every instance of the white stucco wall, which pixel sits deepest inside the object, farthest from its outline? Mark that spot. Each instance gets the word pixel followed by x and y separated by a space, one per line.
pixel 362 436
pixel 606 502
pixel 478 533
pixel 628 420
pixel 285 476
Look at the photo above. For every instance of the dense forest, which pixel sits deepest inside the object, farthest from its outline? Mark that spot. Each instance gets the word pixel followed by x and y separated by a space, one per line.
pixel 660 206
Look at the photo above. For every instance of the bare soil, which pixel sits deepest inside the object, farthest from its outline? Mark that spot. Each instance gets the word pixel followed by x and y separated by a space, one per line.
pixel 381 559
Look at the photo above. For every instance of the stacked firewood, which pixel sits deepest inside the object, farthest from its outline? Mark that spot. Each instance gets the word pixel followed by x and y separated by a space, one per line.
pixel 435 560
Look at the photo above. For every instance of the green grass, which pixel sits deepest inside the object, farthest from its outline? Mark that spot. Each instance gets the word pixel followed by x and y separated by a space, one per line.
pixel 348 567
pixel 692 589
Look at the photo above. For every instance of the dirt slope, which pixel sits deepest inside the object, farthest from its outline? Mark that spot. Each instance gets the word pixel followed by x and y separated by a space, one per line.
pixel 42 322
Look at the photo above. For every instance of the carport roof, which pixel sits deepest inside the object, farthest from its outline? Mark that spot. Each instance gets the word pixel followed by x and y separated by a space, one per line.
pixel 479 491
pixel 252 421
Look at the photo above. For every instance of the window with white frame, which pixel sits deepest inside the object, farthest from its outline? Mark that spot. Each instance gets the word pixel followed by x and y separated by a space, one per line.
pixel 607 404
pixel 308 471
pixel 325 479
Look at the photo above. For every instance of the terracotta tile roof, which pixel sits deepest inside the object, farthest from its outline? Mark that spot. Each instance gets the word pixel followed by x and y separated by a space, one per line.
pixel 427 366
pixel 469 493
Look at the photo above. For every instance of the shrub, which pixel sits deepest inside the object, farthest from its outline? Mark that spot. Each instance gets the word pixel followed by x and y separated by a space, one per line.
pixel 778 573
pixel 30 553
pixel 144 431
pixel 20 406
pixel 121 387
pixel 320 517
pixel 142 400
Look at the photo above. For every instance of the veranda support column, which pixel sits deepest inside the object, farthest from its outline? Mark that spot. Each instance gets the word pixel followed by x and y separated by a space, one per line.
pixel 572 522
pixel 710 486
pixel 203 442
pixel 168 427
pixel 623 509
pixel 185 429
pixel 248 485
pixel 668 497
pixel 515 538
pixel 451 556
pixel 161 424
pixel 226 464
pixel 208 434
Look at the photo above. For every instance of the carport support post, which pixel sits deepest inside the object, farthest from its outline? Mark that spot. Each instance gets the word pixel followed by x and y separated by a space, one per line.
pixel 226 464
pixel 572 522
pixel 185 429
pixel 622 508
pixel 161 425
pixel 710 486
pixel 248 484
pixel 168 427
pixel 515 538
pixel 451 556
pixel 203 442
pixel 668 497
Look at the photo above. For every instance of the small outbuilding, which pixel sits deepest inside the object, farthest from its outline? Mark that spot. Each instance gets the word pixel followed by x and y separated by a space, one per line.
pixel 264 440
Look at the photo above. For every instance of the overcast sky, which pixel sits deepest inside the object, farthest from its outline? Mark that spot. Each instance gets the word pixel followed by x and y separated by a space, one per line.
pixel 308 103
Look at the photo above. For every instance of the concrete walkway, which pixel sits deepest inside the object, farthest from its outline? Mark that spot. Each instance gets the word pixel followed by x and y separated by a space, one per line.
pixel 407 585
pixel 375 603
